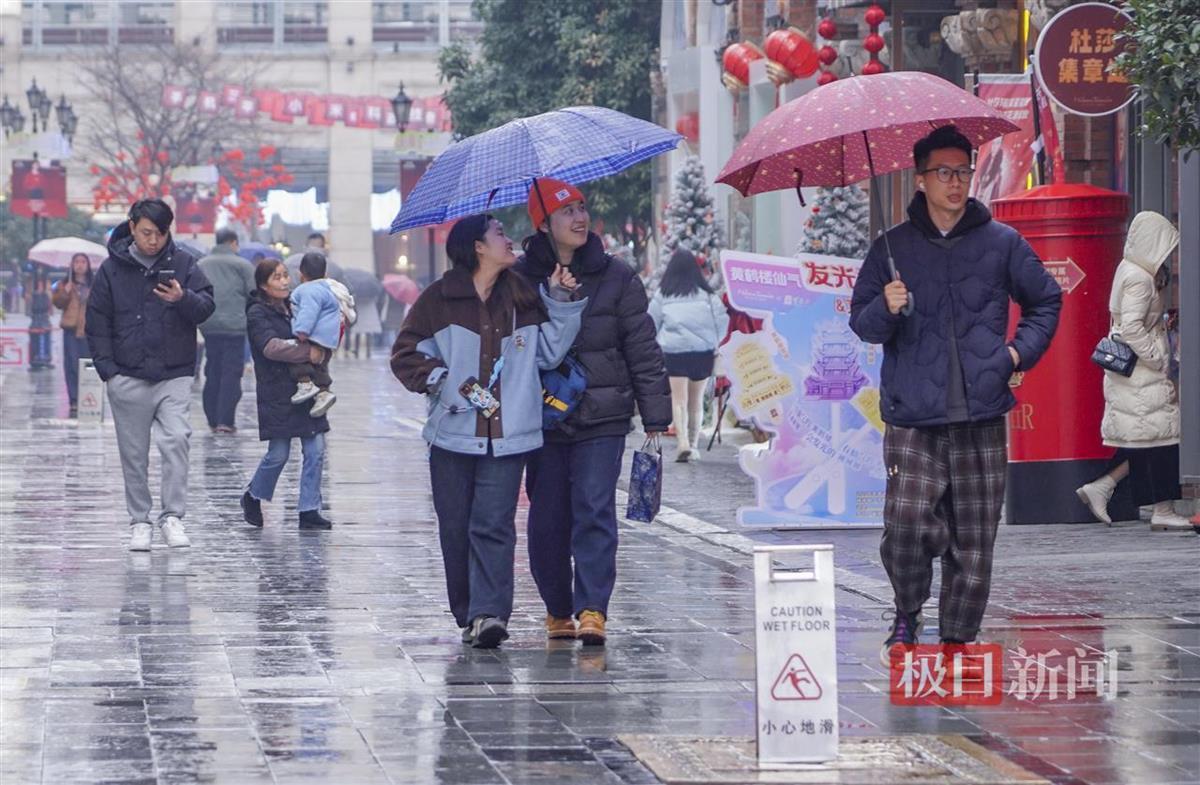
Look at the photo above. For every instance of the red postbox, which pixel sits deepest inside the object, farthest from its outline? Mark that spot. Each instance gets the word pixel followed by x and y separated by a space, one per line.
pixel 1054 432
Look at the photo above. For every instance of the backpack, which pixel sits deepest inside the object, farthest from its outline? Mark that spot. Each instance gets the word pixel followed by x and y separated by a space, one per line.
pixel 562 390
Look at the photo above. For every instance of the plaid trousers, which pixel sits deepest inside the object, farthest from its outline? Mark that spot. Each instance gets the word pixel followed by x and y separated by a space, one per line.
pixel 945 486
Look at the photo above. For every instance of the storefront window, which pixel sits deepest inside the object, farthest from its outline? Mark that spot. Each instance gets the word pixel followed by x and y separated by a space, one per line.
pixel 145 23
pixel 304 22
pixel 415 24
pixel 48 23
pixel 273 22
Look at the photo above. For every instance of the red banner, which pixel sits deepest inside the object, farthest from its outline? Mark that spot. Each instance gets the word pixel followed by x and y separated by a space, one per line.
pixel 195 214
pixel 208 102
pixel 335 108
pixel 1056 168
pixel 38 189
pixel 293 104
pixel 173 96
pixel 316 111
pixel 231 94
pixel 247 108
pixel 1001 165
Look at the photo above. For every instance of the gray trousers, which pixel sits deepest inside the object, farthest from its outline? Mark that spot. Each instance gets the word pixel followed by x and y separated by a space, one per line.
pixel 137 406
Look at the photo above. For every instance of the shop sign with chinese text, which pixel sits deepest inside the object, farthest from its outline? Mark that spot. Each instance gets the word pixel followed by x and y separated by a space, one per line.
pixel 1074 59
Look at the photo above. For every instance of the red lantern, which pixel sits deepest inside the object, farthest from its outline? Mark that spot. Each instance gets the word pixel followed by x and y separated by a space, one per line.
pixel 875 16
pixel 736 61
pixel 266 151
pixel 872 67
pixel 790 56
pixel 826 77
pixel 827 29
pixel 827 55
pixel 873 43
pixel 688 126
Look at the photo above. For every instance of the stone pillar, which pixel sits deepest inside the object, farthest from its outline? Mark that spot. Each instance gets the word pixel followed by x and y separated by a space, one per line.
pixel 351 175
pixel 196 22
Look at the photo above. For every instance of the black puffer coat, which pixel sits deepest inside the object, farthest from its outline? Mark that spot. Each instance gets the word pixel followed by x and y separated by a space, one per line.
pixel 278 417
pixel 130 330
pixel 616 345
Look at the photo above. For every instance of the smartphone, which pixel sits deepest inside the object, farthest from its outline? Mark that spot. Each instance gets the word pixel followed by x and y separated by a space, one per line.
pixel 165 277
pixel 479 397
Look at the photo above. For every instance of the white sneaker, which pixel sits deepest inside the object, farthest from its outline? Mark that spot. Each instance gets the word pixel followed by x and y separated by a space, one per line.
pixel 1169 522
pixel 1095 499
pixel 140 535
pixel 172 531
pixel 324 400
pixel 304 392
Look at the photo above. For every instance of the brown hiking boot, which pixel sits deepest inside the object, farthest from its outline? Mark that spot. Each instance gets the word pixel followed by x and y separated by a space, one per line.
pixel 559 628
pixel 591 628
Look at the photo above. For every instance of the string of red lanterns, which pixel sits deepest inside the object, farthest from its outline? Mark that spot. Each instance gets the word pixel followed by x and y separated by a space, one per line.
pixel 827 55
pixel 874 42
pixel 790 56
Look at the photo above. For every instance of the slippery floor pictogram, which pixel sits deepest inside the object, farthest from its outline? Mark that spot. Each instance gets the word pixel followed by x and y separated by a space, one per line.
pixel 796 682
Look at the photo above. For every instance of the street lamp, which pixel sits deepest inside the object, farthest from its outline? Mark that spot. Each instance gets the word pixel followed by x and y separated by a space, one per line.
pixel 8 115
pixel 402 106
pixel 67 121
pixel 39 105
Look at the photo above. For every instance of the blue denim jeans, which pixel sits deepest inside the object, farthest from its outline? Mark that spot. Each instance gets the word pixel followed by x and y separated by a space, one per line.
pixel 475 497
pixel 262 486
pixel 572 492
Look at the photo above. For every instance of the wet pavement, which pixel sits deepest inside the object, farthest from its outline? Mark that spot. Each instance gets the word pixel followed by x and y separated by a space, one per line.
pixel 276 655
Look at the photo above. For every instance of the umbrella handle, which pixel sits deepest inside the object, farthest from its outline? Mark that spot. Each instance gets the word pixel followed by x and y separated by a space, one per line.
pixel 908 306
pixel 912 301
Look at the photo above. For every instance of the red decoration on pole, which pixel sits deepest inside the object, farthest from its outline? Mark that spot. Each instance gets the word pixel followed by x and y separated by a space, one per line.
pixel 827 55
pixel 827 29
pixel 688 126
pixel 790 55
pixel 874 42
pixel 736 62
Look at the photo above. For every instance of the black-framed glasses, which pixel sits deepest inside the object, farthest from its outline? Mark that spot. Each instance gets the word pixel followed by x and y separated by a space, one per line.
pixel 944 173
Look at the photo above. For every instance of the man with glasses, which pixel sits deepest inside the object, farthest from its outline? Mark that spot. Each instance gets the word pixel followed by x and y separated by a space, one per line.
pixel 944 388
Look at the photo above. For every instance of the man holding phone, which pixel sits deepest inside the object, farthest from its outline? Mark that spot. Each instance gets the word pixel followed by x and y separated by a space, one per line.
pixel 148 299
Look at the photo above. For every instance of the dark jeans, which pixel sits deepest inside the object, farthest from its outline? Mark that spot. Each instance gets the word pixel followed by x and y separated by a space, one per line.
pixel 573 513
pixel 475 497
pixel 223 377
pixel 74 349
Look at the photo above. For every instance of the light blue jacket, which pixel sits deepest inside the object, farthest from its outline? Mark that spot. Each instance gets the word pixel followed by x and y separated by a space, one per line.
pixel 440 347
pixel 693 323
pixel 317 313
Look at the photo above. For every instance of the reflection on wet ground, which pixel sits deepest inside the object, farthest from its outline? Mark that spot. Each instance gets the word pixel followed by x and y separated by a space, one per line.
pixel 274 655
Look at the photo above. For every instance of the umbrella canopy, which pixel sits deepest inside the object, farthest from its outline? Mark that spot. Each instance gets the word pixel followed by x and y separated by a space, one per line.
pixel 852 129
pixel 401 288
pixel 248 250
pixel 495 168
pixel 363 284
pixel 57 252
pixel 332 270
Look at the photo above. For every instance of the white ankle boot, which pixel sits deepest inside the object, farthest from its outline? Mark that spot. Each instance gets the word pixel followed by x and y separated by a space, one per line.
pixel 1095 495
pixel 1164 518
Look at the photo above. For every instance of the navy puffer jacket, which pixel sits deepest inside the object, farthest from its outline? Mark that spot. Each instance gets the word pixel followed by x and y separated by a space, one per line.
pixel 962 284
pixel 616 344
pixel 278 417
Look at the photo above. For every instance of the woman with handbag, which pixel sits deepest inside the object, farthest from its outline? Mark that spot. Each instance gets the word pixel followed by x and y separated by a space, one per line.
pixel 474 342
pixel 572 480
pixel 690 321
pixel 70 296
pixel 1141 411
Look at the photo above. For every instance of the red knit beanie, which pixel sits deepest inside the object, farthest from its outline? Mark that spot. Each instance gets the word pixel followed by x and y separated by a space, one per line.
pixel 554 193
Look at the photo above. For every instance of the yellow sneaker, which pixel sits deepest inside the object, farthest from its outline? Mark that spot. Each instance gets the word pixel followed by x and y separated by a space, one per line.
pixel 560 628
pixel 591 628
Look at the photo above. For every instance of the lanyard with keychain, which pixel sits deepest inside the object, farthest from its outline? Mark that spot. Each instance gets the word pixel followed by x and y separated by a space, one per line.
pixel 484 398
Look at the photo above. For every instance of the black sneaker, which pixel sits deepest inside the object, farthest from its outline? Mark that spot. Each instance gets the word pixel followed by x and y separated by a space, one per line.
pixel 906 629
pixel 252 510
pixel 487 632
pixel 311 519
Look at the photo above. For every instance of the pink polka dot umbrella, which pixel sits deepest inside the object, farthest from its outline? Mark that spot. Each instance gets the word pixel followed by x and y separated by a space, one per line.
pixel 852 129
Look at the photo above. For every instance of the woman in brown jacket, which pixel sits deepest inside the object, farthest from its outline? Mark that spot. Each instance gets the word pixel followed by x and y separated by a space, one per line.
pixel 70 296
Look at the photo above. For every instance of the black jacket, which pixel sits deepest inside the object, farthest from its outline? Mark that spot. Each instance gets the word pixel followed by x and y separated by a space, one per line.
pixel 278 417
pixel 130 330
pixel 616 345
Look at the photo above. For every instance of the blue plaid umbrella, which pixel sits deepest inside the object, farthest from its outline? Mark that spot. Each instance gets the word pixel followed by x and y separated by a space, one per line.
pixel 497 167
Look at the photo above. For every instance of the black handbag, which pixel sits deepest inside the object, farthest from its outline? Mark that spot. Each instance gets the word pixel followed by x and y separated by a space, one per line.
pixel 1113 354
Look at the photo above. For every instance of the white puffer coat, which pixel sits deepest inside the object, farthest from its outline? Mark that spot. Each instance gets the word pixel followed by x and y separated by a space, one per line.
pixel 1143 409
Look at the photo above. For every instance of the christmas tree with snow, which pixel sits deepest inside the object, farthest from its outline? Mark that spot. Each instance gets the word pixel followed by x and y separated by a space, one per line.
pixel 839 224
pixel 690 223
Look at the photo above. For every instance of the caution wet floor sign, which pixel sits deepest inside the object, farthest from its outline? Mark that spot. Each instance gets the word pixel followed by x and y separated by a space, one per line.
pixel 796 651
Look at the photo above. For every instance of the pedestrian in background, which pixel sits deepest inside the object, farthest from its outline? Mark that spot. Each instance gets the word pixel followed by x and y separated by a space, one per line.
pixel 148 298
pixel 276 351
pixel 690 321
pixel 572 480
pixel 1141 411
pixel 70 296
pixel 474 343
pixel 225 331
pixel 944 385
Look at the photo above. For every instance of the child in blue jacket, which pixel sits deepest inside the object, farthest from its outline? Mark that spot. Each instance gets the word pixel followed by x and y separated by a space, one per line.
pixel 318 317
